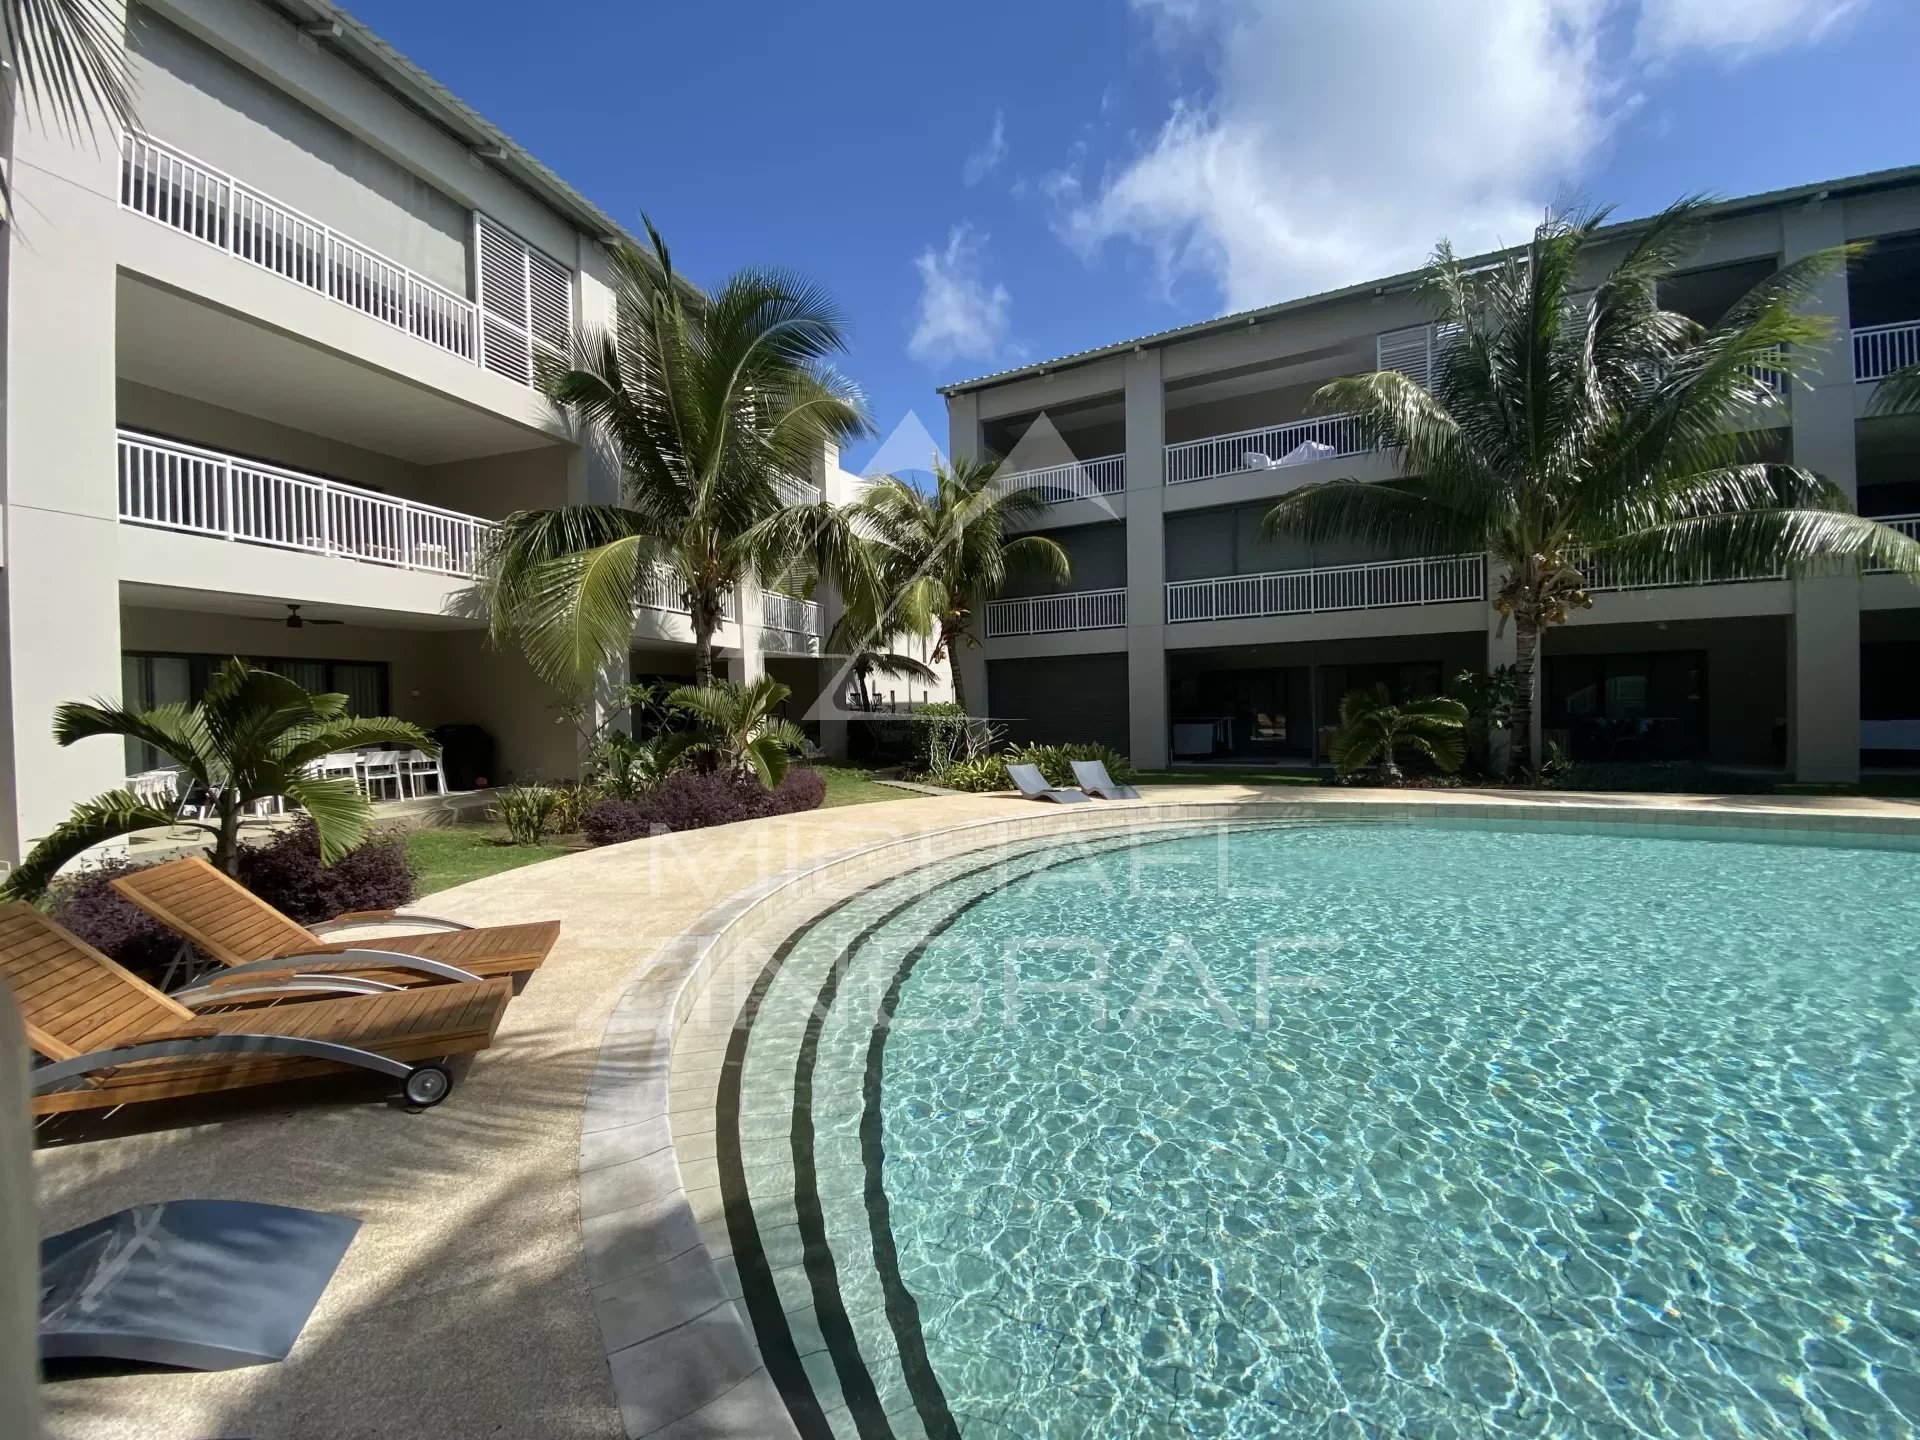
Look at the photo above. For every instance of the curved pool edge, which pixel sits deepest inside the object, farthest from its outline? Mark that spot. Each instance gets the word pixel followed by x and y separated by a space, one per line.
pixel 663 1052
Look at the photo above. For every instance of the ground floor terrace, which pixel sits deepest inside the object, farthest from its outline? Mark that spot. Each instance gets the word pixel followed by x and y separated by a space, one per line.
pixel 1634 681
pixel 395 642
pixel 587 1239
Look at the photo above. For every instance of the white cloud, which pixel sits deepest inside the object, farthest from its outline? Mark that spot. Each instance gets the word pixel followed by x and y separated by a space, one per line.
pixel 962 316
pixel 1735 28
pixel 985 158
pixel 1337 141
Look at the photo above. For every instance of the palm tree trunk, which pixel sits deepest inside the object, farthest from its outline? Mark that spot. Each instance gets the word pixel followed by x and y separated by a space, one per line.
pixel 949 642
pixel 1526 703
pixel 226 845
pixel 702 655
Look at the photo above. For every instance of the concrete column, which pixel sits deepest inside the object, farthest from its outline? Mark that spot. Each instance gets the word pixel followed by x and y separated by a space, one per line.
pixel 58 474
pixel 964 438
pixel 749 663
pixel 838 487
pixel 1146 562
pixel 1824 647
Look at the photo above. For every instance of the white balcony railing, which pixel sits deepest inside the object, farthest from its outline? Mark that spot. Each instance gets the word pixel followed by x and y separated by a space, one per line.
pixel 1080 480
pixel 662 589
pixel 203 492
pixel 1431 580
pixel 1051 614
pixel 1603 575
pixel 168 185
pixel 1276 448
pixel 1879 350
pixel 785 612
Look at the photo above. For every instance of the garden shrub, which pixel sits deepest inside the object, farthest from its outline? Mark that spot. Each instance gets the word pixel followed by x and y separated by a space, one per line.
pixel 87 904
pixel 695 800
pixel 989 772
pixel 527 811
pixel 286 872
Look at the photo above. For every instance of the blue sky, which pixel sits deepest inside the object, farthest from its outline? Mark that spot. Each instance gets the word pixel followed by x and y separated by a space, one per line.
pixel 997 183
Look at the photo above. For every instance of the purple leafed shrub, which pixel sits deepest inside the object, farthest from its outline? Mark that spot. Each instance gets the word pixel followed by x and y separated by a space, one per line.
pixel 286 872
pixel 609 822
pixel 87 904
pixel 690 800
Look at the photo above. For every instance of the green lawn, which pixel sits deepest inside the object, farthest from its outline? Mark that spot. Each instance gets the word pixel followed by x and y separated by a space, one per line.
pixel 443 858
pixel 848 785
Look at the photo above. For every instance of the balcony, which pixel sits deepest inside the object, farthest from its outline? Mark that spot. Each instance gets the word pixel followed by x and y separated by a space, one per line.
pixel 1052 614
pixel 1277 447
pixel 1879 350
pixel 170 486
pixel 1082 480
pixel 789 625
pixel 1431 580
pixel 527 309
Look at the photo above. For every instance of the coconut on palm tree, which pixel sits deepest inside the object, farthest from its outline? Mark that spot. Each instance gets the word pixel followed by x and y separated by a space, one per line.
pixel 249 738
pixel 737 729
pixel 1571 421
pixel 1375 729
pixel 716 408
pixel 938 556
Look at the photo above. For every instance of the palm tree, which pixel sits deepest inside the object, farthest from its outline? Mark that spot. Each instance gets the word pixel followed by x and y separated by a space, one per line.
pixel 715 409
pixel 736 729
pixel 67 60
pixel 938 556
pixel 250 737
pixel 1375 728
pixel 868 655
pixel 1565 427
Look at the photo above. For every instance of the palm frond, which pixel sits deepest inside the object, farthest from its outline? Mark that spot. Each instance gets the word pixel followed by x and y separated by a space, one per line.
pixel 105 817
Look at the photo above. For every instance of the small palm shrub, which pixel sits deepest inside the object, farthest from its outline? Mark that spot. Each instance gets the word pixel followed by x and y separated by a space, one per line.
pixel 569 804
pixel 527 811
pixel 1375 729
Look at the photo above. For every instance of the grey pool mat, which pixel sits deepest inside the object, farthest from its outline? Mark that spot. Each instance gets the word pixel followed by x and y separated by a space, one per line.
pixel 201 1284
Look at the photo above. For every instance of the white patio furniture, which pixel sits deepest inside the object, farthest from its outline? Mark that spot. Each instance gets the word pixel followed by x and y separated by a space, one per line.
pixel 380 768
pixel 419 767
pixel 158 788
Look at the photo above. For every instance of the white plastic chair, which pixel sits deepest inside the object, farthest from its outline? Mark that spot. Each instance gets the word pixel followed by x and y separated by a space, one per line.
pixel 382 767
pixel 341 764
pixel 158 788
pixel 418 766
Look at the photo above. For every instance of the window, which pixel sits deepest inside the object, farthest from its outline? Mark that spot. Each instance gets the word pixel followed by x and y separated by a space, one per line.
pixel 1630 707
pixel 150 678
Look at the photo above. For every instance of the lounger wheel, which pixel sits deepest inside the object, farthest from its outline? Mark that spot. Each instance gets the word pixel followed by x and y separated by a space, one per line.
pixel 428 1085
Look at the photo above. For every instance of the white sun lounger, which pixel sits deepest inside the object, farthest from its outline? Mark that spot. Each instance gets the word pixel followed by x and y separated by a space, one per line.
pixel 1093 778
pixel 1033 785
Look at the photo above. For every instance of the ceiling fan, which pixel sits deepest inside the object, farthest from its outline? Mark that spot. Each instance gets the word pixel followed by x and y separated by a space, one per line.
pixel 296 621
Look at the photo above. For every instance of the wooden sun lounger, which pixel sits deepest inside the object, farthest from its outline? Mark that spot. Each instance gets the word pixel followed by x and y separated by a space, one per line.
pixel 240 930
pixel 108 1038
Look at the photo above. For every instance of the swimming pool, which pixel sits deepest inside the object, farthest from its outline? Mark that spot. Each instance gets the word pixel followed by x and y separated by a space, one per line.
pixel 1435 1129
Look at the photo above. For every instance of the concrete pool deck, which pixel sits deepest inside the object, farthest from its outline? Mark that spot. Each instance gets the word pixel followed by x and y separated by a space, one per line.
pixel 468 1303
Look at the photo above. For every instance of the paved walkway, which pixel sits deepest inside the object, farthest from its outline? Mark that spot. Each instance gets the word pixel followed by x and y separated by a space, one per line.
pixel 463 1307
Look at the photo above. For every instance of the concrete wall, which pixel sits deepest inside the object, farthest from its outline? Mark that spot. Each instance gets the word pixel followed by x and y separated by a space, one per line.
pixel 216 110
pixel 1096 553
pixel 1206 544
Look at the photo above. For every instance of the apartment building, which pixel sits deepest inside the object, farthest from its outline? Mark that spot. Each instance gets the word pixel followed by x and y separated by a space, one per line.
pixel 267 385
pixel 1184 637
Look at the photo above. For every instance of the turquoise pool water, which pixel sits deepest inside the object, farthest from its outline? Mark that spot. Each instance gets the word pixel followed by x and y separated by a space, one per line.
pixel 1369 1130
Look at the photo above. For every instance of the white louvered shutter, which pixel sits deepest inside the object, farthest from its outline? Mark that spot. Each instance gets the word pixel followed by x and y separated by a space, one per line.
pixel 526 304
pixel 1413 351
pixel 1409 351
